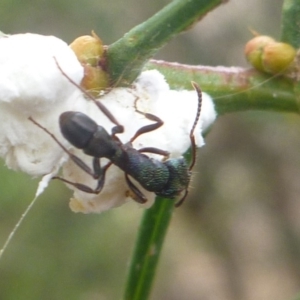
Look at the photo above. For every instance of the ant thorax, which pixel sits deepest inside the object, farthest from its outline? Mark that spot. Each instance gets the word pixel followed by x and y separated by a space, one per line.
pixel 26 147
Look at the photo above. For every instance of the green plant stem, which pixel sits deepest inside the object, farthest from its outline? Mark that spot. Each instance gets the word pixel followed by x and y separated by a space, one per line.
pixel 127 56
pixel 290 25
pixel 244 90
pixel 233 89
pixel 150 239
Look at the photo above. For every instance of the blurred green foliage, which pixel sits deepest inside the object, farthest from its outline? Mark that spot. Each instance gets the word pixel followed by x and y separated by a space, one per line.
pixel 236 237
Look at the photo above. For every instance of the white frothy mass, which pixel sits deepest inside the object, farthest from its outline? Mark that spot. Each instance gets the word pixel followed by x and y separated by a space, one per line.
pixel 31 85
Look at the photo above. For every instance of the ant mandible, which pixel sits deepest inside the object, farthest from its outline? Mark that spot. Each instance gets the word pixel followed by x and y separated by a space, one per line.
pixel 168 178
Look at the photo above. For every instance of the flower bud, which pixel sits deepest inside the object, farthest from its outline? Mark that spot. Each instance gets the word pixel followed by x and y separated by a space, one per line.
pixel 277 57
pixel 88 49
pixel 254 50
pixel 90 52
pixel 94 80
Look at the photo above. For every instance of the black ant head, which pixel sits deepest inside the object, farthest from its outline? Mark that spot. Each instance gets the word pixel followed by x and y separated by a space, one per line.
pixel 77 128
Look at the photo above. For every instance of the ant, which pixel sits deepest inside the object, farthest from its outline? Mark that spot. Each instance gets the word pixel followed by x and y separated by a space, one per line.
pixel 167 178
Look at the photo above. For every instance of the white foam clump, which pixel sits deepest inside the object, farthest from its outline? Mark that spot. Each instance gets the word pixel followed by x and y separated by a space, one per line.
pixel 31 85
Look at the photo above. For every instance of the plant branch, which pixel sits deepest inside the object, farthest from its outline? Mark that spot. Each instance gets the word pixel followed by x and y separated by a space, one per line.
pixel 290 25
pixel 233 89
pixel 127 56
pixel 151 236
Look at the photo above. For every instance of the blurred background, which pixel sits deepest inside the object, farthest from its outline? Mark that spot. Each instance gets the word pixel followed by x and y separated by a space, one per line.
pixel 235 238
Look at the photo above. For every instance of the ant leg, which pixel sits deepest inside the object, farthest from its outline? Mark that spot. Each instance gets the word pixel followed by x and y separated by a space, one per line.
pixel 79 186
pixel 97 167
pixel 154 150
pixel 179 203
pixel 140 197
pixel 80 163
pixel 158 122
pixel 85 188
pixel 115 130
pixel 100 105
pixel 97 173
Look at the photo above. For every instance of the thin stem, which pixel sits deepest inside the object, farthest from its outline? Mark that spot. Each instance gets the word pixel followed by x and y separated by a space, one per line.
pixel 127 56
pixel 290 25
pixel 233 89
pixel 149 243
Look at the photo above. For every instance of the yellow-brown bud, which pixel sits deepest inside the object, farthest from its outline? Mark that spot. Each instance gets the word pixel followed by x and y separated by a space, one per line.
pixel 90 52
pixel 277 57
pixel 254 50
pixel 94 80
pixel 88 49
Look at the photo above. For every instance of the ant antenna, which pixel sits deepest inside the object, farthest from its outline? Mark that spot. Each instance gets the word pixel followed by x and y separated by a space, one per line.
pixel 192 137
pixel 91 97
